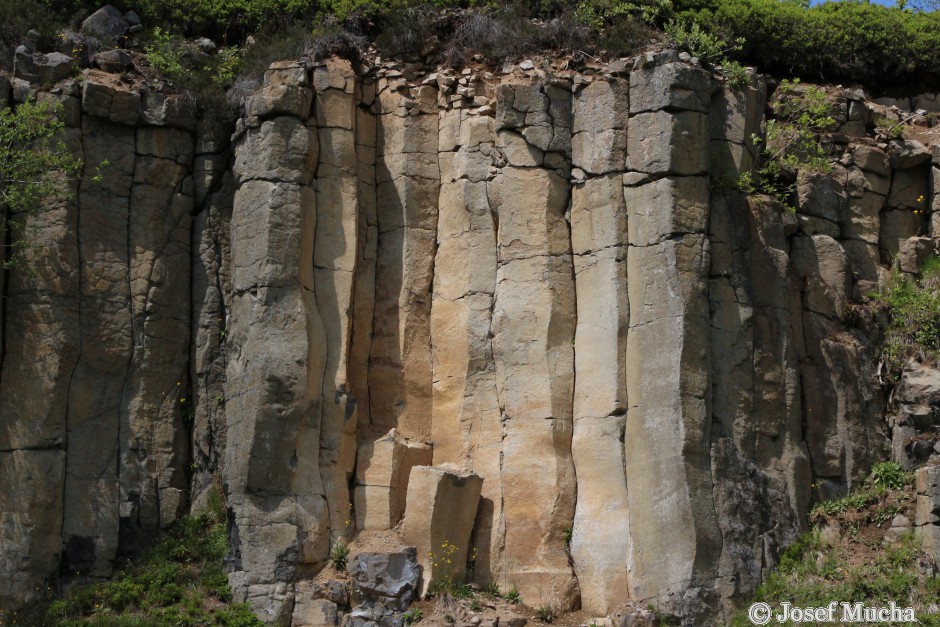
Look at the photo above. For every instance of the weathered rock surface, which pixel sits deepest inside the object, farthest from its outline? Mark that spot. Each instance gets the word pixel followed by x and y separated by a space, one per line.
pixel 518 311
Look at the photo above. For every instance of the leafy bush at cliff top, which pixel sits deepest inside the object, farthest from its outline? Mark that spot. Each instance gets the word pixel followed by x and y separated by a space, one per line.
pixel 834 41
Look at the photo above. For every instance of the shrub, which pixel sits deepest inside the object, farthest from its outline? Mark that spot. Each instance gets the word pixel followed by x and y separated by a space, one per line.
pixel 689 36
pixel 35 165
pixel 831 41
pixel 170 584
pixel 791 142
pixel 890 475
pixel 165 54
pixel 913 305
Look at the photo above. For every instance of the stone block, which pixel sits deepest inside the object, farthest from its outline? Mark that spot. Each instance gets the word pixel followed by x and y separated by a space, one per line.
pixel 896 226
pixel 439 514
pixel 667 207
pixel 277 99
pixel 822 196
pixel 655 85
pixel 168 110
pixel 379 462
pixel 377 507
pixel 913 252
pixel 872 159
pixel 665 142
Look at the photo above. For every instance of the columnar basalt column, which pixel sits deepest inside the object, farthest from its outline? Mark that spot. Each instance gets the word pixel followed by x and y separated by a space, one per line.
pixel 600 539
pixel 533 329
pixel 335 254
pixel 407 191
pixel 467 427
pixel 667 439
pixel 278 512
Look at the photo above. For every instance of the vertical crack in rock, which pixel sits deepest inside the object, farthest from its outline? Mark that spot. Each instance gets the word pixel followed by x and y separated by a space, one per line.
pixel 335 254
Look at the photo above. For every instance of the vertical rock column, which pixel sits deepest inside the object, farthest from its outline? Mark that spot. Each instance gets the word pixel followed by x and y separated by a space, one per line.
pixel 278 513
pixel 533 330
pixel 756 454
pixel 367 245
pixel 214 189
pixel 600 542
pixel 42 302
pixel 667 439
pixel 466 428
pixel 94 410
pixel 335 254
pixel 154 440
pixel 407 190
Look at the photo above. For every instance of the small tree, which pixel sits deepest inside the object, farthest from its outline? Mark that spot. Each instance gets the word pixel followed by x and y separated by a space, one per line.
pixel 34 166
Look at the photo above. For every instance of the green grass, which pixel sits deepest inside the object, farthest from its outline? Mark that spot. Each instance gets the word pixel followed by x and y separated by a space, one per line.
pixel 860 567
pixel 913 305
pixel 179 581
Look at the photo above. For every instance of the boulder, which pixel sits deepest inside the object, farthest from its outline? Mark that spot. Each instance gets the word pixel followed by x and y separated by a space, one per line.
pixel 106 23
pixel 906 153
pixel 113 61
pixel 390 579
pixel 913 252
pixel 25 65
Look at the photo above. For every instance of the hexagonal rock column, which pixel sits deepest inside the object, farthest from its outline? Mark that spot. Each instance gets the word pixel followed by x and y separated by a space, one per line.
pixel 675 536
pixel 440 509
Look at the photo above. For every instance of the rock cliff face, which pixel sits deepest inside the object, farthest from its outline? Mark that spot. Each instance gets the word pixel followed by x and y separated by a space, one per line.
pixel 539 280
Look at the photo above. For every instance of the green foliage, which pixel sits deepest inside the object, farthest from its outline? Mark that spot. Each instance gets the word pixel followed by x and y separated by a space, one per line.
pixel 735 73
pixel 811 573
pixel 513 596
pixel 179 581
pixel 165 54
pixel 831 41
pixel 413 616
pixel 689 36
pixel 884 478
pixel 547 613
pixel 339 554
pixel 224 20
pixel 890 475
pixel 35 166
pixel 791 142
pixel 889 129
pixel 913 305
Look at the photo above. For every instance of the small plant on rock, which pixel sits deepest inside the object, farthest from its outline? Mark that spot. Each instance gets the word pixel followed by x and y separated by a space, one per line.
pixel 791 142
pixel 165 54
pixel 913 305
pixel 546 613
pixel 412 616
pixel 338 555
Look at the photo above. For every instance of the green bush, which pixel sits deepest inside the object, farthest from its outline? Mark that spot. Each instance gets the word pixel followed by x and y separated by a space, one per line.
pixel 179 581
pixel 35 165
pixel 913 305
pixel 832 41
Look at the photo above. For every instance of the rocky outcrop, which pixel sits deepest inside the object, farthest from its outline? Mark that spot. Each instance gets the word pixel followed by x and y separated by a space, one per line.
pixel 536 288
